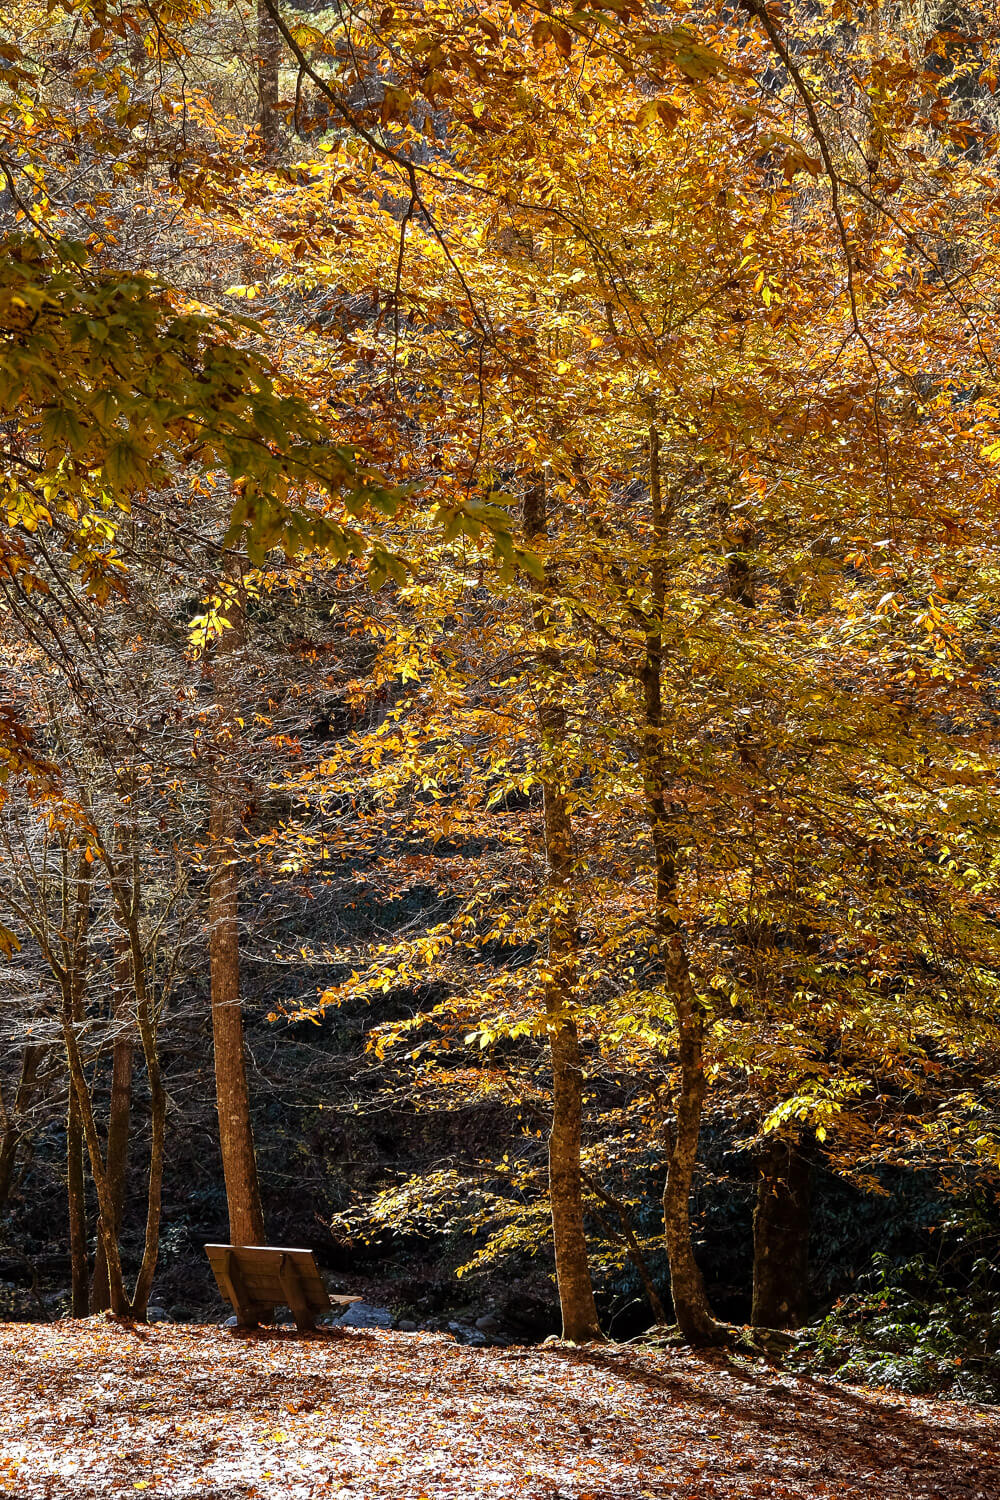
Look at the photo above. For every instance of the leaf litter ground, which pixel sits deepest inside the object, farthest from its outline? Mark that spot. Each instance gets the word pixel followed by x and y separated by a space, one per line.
pixel 94 1408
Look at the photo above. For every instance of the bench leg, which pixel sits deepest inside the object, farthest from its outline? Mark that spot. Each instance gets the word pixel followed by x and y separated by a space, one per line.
pixel 247 1313
pixel 291 1285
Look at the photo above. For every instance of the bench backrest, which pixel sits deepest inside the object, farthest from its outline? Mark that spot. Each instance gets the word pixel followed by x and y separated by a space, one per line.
pixel 257 1278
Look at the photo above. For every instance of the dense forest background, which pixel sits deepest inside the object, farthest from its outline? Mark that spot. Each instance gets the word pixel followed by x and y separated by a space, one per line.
pixel 498 636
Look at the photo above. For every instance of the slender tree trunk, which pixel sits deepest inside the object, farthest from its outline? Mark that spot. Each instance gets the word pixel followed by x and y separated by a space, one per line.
pixel 119 1125
pixel 268 64
pixel 691 1308
pixel 687 1288
pixel 239 1162
pixel 102 1185
pixel 871 137
pixel 125 879
pixel 146 1021
pixel 576 1295
pixel 630 1240
pixel 77 1205
pixel 76 923
pixel 157 1154
pixel 72 981
pixel 13 1126
pixel 781 1237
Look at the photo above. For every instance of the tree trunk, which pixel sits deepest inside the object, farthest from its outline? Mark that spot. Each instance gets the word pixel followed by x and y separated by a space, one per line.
pixel 31 1059
pixel 781 1237
pixel 268 64
pixel 77 1205
pixel 630 1240
pixel 72 979
pixel 76 907
pixel 691 1309
pixel 576 1295
pixel 105 1201
pixel 119 1125
pixel 239 1162
pixel 687 1289
pixel 146 1021
pixel 125 879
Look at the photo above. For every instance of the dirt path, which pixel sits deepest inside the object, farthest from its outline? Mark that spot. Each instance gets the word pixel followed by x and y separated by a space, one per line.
pixel 92 1409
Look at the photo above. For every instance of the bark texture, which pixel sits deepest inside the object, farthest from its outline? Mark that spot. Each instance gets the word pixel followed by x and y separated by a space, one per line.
pixel 580 1322
pixel 781 1237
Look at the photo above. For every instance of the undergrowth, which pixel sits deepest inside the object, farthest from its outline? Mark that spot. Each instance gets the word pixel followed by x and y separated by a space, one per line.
pixel 915 1327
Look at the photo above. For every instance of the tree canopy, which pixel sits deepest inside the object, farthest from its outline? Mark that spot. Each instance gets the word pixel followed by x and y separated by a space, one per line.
pixel 522 477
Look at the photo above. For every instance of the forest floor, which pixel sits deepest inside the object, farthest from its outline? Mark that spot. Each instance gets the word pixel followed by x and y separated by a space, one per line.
pixel 94 1408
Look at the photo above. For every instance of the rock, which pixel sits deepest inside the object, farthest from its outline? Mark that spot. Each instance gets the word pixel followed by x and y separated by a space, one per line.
pixel 232 1322
pixel 406 1325
pixel 464 1333
pixel 182 1314
pixel 363 1315
pixel 488 1323
pixel 158 1315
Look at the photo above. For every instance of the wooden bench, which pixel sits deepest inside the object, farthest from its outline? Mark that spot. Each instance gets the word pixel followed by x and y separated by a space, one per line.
pixel 258 1278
